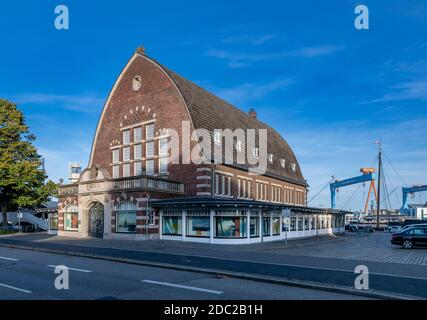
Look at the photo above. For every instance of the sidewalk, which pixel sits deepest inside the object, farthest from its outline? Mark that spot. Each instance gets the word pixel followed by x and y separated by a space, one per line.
pixel 263 262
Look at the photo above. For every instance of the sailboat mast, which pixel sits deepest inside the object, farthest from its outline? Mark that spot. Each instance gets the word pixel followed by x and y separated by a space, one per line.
pixel 379 184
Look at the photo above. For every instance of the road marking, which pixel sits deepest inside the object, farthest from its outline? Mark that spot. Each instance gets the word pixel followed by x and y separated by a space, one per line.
pixel 182 286
pixel 72 269
pixel 11 259
pixel 14 288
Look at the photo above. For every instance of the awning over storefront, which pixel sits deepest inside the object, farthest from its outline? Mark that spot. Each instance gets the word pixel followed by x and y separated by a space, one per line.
pixel 211 202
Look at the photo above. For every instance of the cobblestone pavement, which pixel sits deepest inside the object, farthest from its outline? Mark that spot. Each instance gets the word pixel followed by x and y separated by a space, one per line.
pixel 369 247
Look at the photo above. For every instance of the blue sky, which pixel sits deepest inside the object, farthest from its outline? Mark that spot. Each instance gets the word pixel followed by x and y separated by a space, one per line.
pixel 328 88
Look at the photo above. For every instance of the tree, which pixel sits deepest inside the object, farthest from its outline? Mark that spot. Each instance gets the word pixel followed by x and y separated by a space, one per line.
pixel 22 178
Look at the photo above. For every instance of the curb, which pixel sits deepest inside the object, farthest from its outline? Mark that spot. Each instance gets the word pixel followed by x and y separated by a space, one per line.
pixel 373 294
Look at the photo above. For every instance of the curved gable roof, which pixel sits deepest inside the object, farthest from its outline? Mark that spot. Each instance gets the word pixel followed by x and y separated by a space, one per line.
pixel 211 112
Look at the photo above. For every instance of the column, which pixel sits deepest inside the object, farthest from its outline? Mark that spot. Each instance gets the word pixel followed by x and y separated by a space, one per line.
pixel 248 224
pixel 184 224
pixel 211 229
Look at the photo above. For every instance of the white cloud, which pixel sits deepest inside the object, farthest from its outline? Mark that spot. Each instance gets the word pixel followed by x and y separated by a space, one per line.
pixel 251 39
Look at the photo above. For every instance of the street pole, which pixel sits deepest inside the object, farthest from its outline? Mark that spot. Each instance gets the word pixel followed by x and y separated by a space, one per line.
pixel 379 184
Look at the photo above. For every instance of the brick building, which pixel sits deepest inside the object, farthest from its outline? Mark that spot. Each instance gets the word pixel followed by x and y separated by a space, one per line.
pixel 146 180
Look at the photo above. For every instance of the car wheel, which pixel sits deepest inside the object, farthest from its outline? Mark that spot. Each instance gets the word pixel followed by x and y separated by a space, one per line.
pixel 407 244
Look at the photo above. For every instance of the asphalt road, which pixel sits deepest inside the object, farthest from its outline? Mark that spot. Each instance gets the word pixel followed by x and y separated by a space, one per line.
pixel 408 280
pixel 30 275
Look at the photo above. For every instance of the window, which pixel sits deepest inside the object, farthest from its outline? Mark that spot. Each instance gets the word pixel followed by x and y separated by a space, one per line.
pixel 276 226
pixel 293 166
pixel 217 137
pixel 163 165
pixel 222 184
pixel 254 227
pixel 229 186
pixel 126 154
pixel 239 145
pixel 151 215
pixel 266 226
pixel 137 151
pixel 293 226
pixel 137 134
pixel 283 163
pixel 172 226
pixel 300 223
pixel 71 218
pixel 305 223
pixel 125 217
pixel 163 147
pixel 231 227
pixel 270 158
pixel 126 170
pixel 137 168
pixel 255 152
pixel 216 183
pixel 53 221
pixel 149 131
pixel 116 155
pixel 126 137
pixel 149 169
pixel 198 226
pixel 312 223
pixel 116 171
pixel 149 150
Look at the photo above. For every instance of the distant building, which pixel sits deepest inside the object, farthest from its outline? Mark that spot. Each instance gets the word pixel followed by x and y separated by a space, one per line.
pixel 418 211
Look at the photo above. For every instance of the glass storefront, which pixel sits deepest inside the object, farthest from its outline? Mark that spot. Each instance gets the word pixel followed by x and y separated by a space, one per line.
pixel 53 222
pixel 276 226
pixel 305 223
pixel 300 222
pixel 254 226
pixel 266 226
pixel 172 226
pixel 71 221
pixel 293 224
pixel 231 227
pixel 126 221
pixel 198 226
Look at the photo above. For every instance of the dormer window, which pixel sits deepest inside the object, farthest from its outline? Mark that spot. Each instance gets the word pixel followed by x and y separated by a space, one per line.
pixel 217 137
pixel 239 145
pixel 283 163
pixel 270 158
pixel 255 152
pixel 294 166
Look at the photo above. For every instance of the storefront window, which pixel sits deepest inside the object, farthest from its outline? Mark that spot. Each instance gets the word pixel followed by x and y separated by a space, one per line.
pixel 323 223
pixel 266 226
pixel 71 221
pixel 254 227
pixel 53 222
pixel 300 222
pixel 305 223
pixel 293 224
pixel 172 226
pixel 285 224
pixel 232 227
pixel 198 226
pixel 276 226
pixel 312 223
pixel 126 221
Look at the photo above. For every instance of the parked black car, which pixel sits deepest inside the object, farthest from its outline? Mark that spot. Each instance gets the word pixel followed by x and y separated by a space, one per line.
pixel 411 236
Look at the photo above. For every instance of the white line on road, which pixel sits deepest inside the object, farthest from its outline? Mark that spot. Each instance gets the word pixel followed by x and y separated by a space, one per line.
pixel 72 269
pixel 10 259
pixel 182 286
pixel 14 288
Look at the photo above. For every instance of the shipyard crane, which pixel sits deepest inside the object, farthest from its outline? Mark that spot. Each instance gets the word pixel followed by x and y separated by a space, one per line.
pixel 410 190
pixel 367 176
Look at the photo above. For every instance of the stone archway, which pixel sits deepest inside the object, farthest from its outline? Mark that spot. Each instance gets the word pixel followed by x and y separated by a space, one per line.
pixel 96 220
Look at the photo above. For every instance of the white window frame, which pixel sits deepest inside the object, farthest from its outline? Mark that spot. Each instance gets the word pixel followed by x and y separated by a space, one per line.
pixel 126 170
pixel 150 173
pixel 116 171
pixel 137 134
pixel 270 158
pixel 217 137
pixel 137 165
pixel 137 154
pixel 283 163
pixel 126 154
pixel 163 144
pixel 147 149
pixel 126 136
pixel 116 155
pixel 166 165
pixel 147 136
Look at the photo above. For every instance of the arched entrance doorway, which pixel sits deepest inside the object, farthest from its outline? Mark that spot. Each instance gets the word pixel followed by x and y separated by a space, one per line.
pixel 96 220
